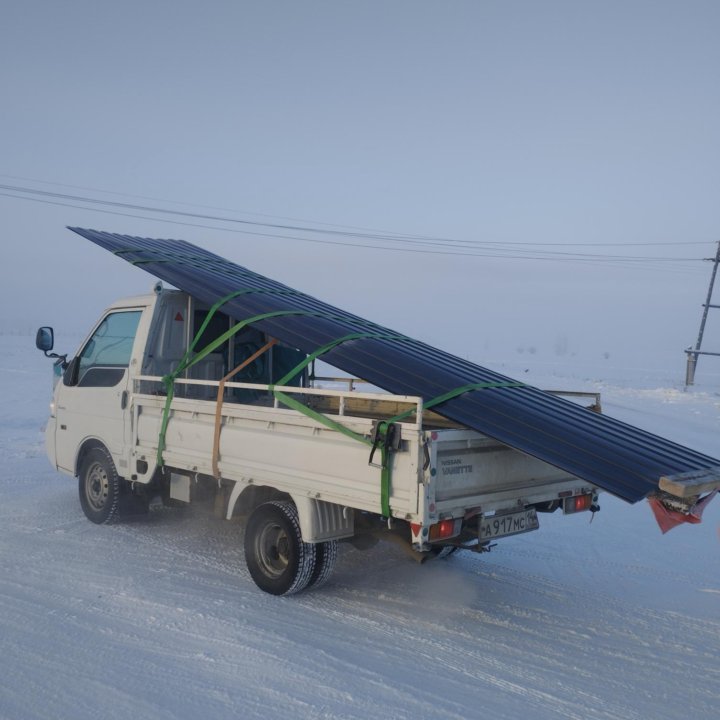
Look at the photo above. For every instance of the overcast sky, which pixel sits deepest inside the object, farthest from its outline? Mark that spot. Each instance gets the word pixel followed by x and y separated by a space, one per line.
pixel 551 123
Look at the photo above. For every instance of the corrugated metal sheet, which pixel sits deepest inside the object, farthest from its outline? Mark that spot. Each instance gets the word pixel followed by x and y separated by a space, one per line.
pixel 620 458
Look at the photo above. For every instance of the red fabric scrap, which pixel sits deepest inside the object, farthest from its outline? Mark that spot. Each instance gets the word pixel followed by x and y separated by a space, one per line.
pixel 667 519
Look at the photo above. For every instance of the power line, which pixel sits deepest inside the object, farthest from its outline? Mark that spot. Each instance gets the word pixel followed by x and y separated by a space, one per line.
pixel 380 233
pixel 204 216
pixel 409 243
pixel 186 204
pixel 255 233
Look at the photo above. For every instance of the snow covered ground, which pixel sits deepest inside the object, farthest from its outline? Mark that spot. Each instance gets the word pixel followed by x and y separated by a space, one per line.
pixel 158 618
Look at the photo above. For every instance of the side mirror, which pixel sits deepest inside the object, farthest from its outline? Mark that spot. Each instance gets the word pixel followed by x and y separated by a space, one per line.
pixel 45 339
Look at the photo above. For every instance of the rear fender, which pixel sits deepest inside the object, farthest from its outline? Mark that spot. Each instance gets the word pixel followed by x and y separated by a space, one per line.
pixel 319 520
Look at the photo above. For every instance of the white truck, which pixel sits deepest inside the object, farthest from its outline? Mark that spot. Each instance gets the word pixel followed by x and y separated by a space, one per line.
pixel 222 436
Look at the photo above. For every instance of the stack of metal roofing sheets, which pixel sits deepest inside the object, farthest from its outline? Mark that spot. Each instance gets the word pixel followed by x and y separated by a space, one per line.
pixel 620 458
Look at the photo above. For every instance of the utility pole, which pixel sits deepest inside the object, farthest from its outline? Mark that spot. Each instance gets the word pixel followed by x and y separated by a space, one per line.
pixel 692 355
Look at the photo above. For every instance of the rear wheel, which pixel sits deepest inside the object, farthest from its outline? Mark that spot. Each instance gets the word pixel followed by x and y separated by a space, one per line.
pixel 279 561
pixel 325 558
pixel 99 486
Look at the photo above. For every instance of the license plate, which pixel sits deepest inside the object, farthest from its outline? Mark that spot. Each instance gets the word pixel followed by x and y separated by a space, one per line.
pixel 508 524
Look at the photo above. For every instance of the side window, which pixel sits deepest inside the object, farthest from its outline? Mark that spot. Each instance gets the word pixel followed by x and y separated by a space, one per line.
pixel 106 354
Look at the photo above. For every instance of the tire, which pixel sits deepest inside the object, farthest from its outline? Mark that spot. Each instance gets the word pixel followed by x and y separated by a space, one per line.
pixel 279 561
pixel 99 486
pixel 325 559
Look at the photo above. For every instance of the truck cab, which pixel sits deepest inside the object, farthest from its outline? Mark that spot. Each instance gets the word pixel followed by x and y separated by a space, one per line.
pixel 142 336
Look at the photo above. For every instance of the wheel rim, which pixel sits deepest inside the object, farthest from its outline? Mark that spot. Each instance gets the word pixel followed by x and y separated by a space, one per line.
pixel 97 486
pixel 272 550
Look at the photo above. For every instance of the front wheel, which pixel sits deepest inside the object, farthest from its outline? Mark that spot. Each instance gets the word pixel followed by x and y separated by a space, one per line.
pixel 278 560
pixel 99 486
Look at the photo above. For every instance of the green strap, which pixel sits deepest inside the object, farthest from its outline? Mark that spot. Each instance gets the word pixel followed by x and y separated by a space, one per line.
pixel 382 429
pixel 188 359
pixel 185 362
pixel 334 343
pixel 319 417
pixel 385 472
pixel 333 424
pixel 385 478
pixel 455 393
pixel 384 483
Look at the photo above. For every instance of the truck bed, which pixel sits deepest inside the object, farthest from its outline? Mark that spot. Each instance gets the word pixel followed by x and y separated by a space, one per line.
pixel 438 471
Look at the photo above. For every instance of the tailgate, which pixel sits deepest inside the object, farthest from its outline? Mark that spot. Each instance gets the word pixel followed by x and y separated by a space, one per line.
pixel 471 469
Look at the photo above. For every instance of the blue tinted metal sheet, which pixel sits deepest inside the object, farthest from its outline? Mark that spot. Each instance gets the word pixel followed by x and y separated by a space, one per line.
pixel 622 459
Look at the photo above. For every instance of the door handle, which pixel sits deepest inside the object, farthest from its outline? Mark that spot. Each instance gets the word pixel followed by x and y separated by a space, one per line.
pixel 123 399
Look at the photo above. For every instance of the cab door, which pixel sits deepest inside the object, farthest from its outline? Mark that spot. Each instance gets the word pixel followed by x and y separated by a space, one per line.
pixel 92 398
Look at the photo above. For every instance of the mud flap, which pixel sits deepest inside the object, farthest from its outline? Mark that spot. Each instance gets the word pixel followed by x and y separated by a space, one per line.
pixel 670 514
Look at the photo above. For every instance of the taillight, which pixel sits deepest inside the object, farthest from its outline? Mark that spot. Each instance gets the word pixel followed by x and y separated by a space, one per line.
pixel 445 529
pixel 579 503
